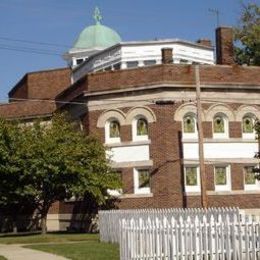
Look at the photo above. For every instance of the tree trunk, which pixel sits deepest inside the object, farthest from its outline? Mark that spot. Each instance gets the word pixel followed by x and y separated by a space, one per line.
pixel 14 224
pixel 44 223
pixel 15 227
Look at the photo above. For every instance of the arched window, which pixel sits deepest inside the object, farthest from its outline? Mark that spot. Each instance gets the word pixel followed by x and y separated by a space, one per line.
pixel 220 126
pixel 248 125
pixel 140 128
pixel 189 126
pixel 248 122
pixel 112 131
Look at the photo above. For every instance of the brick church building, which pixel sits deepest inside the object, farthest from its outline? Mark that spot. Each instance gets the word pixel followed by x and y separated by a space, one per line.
pixel 140 99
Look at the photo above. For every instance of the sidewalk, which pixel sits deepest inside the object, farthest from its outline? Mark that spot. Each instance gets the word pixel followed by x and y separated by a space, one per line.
pixel 17 252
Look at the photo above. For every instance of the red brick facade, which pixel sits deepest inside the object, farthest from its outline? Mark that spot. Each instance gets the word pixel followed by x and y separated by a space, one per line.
pixel 165 134
pixel 27 98
pixel 167 177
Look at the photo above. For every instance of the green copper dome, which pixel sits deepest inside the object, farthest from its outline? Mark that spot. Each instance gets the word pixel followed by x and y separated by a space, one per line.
pixel 97 36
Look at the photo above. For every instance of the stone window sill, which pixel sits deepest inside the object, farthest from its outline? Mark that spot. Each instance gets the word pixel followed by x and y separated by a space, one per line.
pixel 135 196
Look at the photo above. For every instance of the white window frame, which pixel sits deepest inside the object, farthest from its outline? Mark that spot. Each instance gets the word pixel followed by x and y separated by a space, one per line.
pixel 136 137
pixel 190 135
pixel 226 127
pixel 137 190
pixel 109 139
pixel 248 135
pixel 192 188
pixel 227 186
pixel 255 186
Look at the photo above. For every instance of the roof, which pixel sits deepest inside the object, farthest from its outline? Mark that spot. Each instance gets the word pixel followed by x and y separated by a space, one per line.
pixel 97 36
pixel 27 109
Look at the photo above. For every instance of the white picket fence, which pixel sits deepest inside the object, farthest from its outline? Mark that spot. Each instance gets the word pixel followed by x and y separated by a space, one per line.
pixel 197 238
pixel 109 220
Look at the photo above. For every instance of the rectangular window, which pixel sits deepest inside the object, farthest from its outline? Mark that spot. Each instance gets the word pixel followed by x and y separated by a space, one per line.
pixel 117 66
pixel 183 61
pixel 132 64
pixel 222 178
pixel 192 180
pixel 149 62
pixel 79 61
pixel 142 181
pixel 250 182
pixel 108 68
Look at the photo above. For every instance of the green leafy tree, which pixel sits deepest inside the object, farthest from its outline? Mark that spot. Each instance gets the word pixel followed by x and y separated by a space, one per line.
pixel 56 162
pixel 256 170
pixel 247 36
pixel 14 200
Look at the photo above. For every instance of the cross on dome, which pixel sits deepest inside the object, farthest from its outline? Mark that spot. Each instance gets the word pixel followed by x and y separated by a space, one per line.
pixel 97 15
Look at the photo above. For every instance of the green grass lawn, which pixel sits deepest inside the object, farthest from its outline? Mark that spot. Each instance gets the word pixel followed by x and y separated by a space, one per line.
pixel 72 246
pixel 48 238
pixel 88 250
pixel 2 258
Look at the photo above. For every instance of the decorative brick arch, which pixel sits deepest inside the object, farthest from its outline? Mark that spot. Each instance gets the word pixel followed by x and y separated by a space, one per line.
pixel 247 110
pixel 186 109
pixel 140 111
pixel 111 113
pixel 220 109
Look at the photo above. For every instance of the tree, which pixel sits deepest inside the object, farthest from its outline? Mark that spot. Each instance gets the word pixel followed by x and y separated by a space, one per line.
pixel 13 197
pixel 257 154
pixel 247 36
pixel 56 162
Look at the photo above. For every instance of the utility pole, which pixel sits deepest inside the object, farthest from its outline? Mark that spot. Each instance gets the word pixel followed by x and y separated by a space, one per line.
pixel 204 199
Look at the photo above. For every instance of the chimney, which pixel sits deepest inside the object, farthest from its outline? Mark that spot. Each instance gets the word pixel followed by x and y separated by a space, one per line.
pixel 167 56
pixel 204 42
pixel 224 46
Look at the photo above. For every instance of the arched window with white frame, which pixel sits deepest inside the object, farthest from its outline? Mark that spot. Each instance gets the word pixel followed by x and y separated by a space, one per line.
pixel 189 126
pixel 140 128
pixel 112 131
pixel 248 130
pixel 220 126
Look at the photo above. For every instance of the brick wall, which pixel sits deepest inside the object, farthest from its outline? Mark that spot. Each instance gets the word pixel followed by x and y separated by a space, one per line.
pixel 224 45
pixel 167 178
pixel 42 84
pixel 166 152
pixel 164 74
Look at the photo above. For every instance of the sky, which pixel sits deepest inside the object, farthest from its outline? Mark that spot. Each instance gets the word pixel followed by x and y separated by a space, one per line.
pixel 35 33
